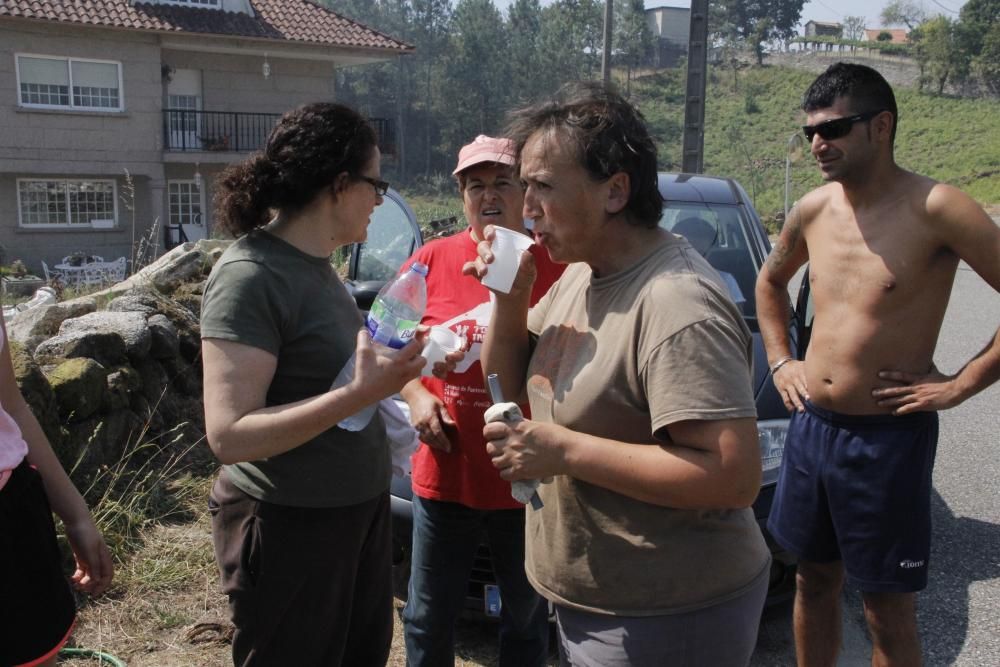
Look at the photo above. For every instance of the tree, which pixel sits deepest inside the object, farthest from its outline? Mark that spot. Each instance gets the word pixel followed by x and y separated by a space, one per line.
pixel 982 12
pixel 569 41
pixel 986 64
pixel 524 20
pixel 903 12
pixel 477 74
pixel 976 19
pixel 979 29
pixel 430 32
pixel 632 37
pixel 854 27
pixel 756 22
pixel 939 53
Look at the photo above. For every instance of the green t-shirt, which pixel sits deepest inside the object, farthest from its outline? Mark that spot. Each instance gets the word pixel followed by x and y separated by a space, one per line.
pixel 265 293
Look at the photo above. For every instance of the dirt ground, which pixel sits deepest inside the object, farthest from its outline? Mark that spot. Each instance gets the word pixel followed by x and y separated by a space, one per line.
pixel 161 614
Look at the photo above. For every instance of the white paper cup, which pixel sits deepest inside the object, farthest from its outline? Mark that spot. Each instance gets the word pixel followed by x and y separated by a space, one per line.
pixel 507 247
pixel 441 341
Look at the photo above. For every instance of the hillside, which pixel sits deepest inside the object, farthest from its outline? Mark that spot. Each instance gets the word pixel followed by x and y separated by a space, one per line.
pixel 751 116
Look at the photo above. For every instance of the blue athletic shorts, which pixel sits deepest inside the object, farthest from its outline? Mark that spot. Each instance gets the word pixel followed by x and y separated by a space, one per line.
pixel 856 488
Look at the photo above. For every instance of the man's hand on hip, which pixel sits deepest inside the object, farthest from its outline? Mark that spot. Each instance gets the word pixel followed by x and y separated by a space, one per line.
pixel 917 392
pixel 790 381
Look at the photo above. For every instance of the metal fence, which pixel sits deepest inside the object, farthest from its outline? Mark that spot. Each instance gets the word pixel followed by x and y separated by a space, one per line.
pixel 190 130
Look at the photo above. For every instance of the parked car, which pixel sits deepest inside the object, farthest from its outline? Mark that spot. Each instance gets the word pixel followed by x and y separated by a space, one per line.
pixel 719 220
pixel 393 235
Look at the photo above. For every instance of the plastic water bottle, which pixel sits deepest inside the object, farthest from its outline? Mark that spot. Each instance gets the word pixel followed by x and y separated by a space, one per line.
pixel 398 308
pixel 359 419
pixel 392 321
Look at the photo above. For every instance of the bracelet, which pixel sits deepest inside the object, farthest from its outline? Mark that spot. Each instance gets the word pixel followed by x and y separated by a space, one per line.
pixel 779 363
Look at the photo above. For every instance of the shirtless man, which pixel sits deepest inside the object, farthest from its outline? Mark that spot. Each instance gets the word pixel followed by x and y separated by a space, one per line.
pixel 883 245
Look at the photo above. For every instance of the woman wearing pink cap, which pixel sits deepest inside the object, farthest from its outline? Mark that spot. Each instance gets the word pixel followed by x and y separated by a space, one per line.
pixel 457 493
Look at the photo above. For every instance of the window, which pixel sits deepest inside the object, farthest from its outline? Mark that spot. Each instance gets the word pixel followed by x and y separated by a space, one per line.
pixel 185 202
pixel 69 203
pixel 719 233
pixel 392 237
pixel 46 81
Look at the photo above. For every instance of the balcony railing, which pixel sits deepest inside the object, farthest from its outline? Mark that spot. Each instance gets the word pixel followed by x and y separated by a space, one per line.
pixel 189 130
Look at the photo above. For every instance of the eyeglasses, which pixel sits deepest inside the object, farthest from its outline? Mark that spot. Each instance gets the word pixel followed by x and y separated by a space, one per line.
pixel 837 127
pixel 381 187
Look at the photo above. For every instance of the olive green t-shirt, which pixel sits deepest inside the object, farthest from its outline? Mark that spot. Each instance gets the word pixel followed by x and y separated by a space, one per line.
pixel 621 357
pixel 265 293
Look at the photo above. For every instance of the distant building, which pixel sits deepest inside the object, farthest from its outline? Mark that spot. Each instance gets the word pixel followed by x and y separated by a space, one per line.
pixel 117 114
pixel 823 29
pixel 899 35
pixel 670 27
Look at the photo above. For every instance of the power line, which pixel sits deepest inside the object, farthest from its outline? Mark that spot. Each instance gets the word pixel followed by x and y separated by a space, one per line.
pixel 947 9
pixel 829 8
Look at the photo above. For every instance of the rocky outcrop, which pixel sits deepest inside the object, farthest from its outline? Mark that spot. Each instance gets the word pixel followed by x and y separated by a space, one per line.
pixel 119 367
pixel 31 327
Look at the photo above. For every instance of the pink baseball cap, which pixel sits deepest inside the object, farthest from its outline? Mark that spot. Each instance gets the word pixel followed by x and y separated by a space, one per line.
pixel 485 149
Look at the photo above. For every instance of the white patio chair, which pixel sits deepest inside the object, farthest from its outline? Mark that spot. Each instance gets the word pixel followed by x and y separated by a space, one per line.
pixel 52 275
pixel 95 273
pixel 116 270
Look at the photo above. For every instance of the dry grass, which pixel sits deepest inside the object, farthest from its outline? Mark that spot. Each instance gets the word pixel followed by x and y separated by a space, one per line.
pixel 161 591
pixel 166 609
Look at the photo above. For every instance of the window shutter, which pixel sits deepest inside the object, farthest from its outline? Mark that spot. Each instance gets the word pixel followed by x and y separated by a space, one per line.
pixel 95 75
pixel 45 71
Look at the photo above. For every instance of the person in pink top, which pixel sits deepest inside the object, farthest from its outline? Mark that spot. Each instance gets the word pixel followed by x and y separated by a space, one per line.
pixel 457 493
pixel 37 610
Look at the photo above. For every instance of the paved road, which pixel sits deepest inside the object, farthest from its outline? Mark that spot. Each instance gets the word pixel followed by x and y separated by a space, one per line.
pixel 959 613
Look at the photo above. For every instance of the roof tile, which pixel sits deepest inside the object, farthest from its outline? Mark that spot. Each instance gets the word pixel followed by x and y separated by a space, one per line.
pixel 298 21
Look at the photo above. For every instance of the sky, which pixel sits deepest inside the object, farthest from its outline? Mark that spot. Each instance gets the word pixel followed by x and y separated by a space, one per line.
pixel 828 10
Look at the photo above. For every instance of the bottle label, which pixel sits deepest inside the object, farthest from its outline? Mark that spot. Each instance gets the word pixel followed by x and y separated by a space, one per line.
pixel 386 329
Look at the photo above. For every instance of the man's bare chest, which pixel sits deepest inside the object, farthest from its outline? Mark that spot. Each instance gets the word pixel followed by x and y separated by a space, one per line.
pixel 874 269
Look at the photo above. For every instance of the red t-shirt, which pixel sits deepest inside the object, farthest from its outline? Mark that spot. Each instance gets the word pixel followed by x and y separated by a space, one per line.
pixel 465 474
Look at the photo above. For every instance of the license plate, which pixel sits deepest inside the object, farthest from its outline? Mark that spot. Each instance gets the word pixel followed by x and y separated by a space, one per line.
pixel 491 600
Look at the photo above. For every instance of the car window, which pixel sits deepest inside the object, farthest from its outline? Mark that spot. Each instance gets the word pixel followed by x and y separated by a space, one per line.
pixel 390 241
pixel 719 233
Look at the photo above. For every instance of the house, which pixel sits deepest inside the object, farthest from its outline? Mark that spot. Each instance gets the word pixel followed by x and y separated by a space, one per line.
pixel 823 29
pixel 115 116
pixel 899 35
pixel 670 27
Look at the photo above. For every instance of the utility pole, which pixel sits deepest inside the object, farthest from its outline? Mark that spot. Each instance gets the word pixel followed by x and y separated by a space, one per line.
pixel 692 161
pixel 609 23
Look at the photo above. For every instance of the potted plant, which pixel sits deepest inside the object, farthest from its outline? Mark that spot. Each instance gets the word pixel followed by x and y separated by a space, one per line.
pixel 216 143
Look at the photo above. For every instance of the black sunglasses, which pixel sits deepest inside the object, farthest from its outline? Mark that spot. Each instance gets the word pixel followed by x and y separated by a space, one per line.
pixel 381 187
pixel 837 127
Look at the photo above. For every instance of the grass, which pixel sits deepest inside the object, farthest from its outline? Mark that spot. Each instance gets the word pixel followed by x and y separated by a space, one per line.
pixel 435 206
pixel 750 118
pixel 149 484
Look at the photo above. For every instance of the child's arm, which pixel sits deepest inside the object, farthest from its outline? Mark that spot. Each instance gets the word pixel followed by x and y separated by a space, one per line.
pixel 94 569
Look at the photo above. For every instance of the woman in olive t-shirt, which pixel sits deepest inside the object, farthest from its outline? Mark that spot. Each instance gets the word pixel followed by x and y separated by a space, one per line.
pixel 300 511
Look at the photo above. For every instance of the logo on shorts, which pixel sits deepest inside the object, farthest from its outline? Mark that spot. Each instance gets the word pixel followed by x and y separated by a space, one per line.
pixel 911 564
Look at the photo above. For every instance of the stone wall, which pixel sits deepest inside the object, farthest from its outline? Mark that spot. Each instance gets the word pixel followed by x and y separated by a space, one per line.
pixel 119 367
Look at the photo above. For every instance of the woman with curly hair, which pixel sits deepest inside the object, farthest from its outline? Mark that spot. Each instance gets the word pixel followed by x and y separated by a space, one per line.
pixel 300 511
